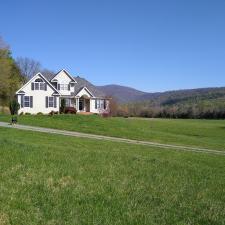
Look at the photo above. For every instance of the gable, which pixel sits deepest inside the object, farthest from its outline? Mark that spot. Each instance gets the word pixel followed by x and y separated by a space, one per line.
pixel 84 91
pixel 63 77
pixel 27 87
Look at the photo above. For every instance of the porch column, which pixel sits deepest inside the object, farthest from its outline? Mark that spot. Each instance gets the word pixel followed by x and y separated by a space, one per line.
pixel 77 104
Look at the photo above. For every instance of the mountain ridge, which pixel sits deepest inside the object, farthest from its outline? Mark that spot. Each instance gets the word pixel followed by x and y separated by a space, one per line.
pixel 124 94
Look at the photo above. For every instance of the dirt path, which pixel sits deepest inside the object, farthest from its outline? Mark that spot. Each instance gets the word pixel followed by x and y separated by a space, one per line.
pixel 115 139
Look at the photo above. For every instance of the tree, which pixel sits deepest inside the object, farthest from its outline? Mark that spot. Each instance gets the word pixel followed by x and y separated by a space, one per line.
pixel 113 106
pixel 63 106
pixel 10 77
pixel 28 67
pixel 14 106
pixel 47 72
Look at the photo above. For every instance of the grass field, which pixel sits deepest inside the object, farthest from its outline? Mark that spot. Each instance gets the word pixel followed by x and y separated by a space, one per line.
pixel 51 179
pixel 202 133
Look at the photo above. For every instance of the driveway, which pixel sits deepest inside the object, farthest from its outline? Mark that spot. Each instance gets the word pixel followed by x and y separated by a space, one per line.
pixel 114 139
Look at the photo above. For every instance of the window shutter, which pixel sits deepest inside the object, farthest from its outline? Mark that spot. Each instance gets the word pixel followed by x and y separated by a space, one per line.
pixel 32 86
pixel 58 86
pixel 104 104
pixel 45 86
pixel 46 101
pixel 31 101
pixel 22 96
pixel 95 103
pixel 68 87
pixel 55 102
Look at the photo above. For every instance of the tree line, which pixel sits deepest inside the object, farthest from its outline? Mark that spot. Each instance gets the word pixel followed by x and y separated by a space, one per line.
pixel 14 73
pixel 207 109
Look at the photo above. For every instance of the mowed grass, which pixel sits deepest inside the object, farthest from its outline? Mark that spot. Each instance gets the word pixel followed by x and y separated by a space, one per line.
pixel 53 179
pixel 201 133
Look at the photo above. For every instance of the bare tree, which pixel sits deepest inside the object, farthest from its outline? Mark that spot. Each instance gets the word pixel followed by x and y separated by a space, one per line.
pixel 113 106
pixel 47 73
pixel 28 67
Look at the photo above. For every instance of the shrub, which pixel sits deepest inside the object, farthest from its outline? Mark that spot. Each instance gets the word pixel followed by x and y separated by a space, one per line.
pixel 21 114
pixel 40 113
pixel 70 110
pixel 63 106
pixel 27 113
pixel 105 114
pixel 14 106
pixel 53 113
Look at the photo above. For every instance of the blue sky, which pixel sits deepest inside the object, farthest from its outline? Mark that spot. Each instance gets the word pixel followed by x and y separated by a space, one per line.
pixel 149 45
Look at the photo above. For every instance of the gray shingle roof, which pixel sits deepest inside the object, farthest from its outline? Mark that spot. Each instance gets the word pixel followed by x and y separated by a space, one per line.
pixel 81 83
pixel 48 76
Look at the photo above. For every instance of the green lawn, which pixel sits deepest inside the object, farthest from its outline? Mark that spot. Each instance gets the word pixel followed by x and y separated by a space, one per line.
pixel 203 133
pixel 51 179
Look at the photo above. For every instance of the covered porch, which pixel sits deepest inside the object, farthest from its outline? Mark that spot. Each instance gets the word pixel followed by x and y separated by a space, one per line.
pixel 81 104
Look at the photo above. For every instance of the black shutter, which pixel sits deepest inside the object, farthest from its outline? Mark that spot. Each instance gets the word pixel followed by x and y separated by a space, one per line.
pixel 55 102
pixel 68 87
pixel 95 103
pixel 45 86
pixel 104 104
pixel 31 101
pixel 58 86
pixel 46 101
pixel 32 86
pixel 22 96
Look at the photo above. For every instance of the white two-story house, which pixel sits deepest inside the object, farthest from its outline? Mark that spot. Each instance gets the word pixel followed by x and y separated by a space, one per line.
pixel 43 93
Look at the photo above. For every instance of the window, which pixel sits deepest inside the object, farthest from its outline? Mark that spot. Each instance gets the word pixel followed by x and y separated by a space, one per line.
pixel 38 84
pixel 26 101
pixel 100 104
pixel 64 87
pixel 42 86
pixel 38 80
pixel 50 101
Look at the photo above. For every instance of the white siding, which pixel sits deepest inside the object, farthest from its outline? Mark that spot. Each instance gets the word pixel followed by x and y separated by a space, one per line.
pixel 84 92
pixel 38 100
pixel 94 110
pixel 62 78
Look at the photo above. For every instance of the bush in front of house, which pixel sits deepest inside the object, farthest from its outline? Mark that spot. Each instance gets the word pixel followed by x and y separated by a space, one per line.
pixel 14 107
pixel 105 114
pixel 53 113
pixel 63 106
pixel 39 114
pixel 70 110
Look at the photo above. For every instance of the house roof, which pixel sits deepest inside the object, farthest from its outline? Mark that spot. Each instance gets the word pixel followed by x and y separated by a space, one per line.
pixel 72 78
pixel 33 78
pixel 80 84
pixel 48 76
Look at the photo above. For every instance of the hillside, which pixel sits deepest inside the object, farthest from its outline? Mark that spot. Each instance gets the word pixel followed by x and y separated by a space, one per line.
pixel 192 103
pixel 128 95
pixel 121 93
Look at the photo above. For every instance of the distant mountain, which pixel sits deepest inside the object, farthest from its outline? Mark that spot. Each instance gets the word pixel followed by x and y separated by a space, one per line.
pixel 207 103
pixel 130 95
pixel 121 93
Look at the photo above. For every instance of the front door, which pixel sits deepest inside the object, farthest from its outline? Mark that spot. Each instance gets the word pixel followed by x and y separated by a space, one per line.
pixel 81 104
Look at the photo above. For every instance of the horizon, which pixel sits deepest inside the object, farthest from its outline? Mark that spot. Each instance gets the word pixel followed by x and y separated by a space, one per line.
pixel 187 89
pixel 149 46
